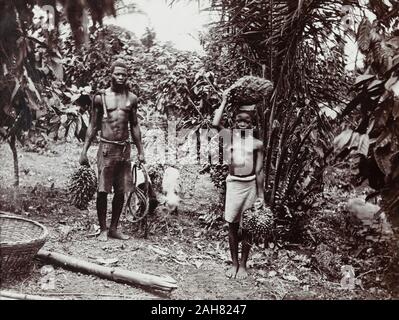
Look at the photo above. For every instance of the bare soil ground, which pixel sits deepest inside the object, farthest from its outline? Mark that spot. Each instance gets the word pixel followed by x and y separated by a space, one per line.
pixel 178 246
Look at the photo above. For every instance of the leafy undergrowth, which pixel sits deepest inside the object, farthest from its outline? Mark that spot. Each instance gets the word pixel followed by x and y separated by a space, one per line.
pixel 339 238
pixel 185 246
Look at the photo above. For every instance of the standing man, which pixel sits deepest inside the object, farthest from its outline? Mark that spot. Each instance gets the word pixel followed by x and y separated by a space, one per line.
pixel 113 112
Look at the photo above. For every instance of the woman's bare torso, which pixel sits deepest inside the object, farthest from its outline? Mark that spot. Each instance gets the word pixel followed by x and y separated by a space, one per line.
pixel 243 156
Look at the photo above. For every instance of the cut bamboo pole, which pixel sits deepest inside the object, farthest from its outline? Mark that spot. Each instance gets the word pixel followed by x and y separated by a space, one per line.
pixel 7 295
pixel 115 274
pixel 107 295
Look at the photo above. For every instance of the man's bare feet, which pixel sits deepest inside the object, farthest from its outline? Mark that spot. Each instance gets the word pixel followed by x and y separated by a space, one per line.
pixel 242 273
pixel 118 235
pixel 103 236
pixel 231 273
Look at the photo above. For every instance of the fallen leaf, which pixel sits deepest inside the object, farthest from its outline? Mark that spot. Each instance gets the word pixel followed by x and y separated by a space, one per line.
pixel 290 278
pixel 160 251
pixel 272 274
pixel 262 273
pixel 179 262
pixel 261 280
pixel 65 230
pixel 182 258
pixel 257 255
pixel 95 231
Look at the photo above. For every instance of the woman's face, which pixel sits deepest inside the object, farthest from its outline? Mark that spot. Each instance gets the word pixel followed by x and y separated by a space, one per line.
pixel 243 121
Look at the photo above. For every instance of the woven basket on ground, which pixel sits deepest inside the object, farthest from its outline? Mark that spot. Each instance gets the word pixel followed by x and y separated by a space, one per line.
pixel 20 240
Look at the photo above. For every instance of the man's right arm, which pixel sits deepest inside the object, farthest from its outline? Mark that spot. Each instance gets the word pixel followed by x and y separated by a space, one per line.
pixel 92 129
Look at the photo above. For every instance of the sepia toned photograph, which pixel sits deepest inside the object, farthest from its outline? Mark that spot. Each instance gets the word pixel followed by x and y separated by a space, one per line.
pixel 199 154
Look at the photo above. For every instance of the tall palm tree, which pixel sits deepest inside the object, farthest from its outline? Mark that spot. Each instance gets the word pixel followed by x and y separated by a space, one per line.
pixel 299 45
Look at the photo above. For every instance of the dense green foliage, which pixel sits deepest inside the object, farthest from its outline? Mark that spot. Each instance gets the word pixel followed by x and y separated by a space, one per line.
pixel 375 139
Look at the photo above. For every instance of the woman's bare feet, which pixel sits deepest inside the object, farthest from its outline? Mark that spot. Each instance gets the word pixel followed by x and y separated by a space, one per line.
pixel 103 236
pixel 242 273
pixel 231 273
pixel 118 235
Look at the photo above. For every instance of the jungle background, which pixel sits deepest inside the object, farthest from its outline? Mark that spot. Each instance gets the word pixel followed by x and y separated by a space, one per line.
pixel 330 136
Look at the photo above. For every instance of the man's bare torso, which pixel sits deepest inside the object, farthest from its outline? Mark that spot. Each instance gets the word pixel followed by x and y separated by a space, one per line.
pixel 115 123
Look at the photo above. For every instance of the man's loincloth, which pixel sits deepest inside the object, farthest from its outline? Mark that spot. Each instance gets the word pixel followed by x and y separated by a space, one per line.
pixel 114 166
pixel 240 196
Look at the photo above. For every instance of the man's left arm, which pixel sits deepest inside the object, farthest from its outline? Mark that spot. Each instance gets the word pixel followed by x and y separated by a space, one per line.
pixel 260 178
pixel 135 129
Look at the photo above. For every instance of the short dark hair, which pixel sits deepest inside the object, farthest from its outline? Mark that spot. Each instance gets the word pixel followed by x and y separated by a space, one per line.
pixel 250 113
pixel 118 63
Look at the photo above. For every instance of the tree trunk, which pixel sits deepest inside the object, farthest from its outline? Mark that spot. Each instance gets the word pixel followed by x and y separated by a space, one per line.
pixel 17 201
pixel 15 158
pixel 115 274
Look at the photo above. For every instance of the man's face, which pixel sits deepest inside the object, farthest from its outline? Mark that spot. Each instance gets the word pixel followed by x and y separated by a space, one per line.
pixel 119 76
pixel 243 121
